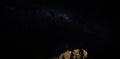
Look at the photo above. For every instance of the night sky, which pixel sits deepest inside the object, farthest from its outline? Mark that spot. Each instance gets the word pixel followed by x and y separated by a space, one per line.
pixel 42 29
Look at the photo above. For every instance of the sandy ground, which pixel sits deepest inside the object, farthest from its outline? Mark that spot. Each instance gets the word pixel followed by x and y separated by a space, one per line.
pixel 54 58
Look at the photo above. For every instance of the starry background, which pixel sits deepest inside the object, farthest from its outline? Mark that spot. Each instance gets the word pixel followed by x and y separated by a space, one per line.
pixel 42 29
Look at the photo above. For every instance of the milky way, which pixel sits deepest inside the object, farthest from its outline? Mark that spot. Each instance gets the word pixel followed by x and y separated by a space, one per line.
pixel 58 25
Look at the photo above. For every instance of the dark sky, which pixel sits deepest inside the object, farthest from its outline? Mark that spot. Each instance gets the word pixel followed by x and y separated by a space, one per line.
pixel 44 28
